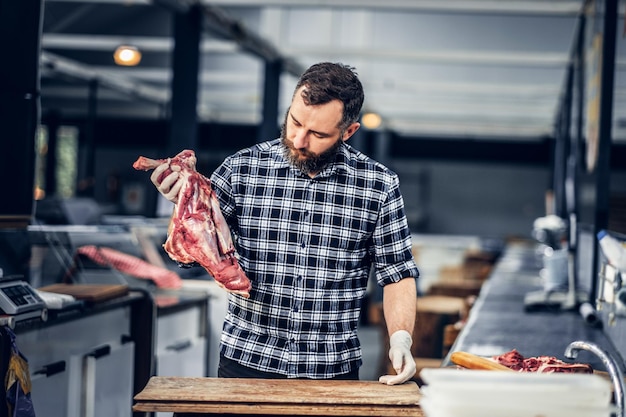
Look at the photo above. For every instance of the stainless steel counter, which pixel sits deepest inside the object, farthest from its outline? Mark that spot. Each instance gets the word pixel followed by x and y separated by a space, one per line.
pixel 499 322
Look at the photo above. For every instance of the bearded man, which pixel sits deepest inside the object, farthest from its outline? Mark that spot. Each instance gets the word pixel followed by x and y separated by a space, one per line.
pixel 310 217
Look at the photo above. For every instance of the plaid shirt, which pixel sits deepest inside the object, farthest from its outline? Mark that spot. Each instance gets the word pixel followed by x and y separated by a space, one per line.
pixel 307 245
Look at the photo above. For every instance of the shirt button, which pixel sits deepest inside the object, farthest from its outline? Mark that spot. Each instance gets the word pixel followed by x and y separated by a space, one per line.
pixel 302 245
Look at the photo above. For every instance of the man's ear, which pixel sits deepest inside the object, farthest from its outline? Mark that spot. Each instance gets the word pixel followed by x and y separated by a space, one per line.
pixel 351 130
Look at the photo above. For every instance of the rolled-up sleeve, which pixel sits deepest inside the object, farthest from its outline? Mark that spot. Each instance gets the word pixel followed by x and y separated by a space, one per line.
pixel 393 256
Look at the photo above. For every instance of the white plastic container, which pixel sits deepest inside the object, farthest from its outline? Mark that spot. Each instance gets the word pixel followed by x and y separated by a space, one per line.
pixel 512 409
pixel 555 270
pixel 463 393
pixel 613 250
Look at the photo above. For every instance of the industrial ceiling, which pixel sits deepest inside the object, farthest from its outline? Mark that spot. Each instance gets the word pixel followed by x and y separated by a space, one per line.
pixel 483 69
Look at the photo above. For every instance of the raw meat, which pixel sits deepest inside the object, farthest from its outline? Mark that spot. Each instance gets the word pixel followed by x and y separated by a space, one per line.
pixel 131 265
pixel 540 364
pixel 197 231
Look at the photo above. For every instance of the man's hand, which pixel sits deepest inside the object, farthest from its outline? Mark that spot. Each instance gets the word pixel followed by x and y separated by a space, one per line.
pixel 170 186
pixel 401 358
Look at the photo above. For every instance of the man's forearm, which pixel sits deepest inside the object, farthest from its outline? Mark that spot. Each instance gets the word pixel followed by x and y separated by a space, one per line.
pixel 399 305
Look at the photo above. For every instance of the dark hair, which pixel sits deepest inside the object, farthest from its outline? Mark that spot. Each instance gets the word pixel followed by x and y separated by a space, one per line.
pixel 327 81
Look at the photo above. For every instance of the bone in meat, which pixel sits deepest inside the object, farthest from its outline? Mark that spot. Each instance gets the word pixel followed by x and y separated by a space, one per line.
pixel 540 364
pixel 197 231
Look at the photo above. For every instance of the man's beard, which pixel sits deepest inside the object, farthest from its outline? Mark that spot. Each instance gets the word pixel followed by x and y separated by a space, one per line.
pixel 308 162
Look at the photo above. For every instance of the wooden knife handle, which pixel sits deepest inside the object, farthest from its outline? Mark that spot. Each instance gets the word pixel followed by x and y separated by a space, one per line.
pixel 471 361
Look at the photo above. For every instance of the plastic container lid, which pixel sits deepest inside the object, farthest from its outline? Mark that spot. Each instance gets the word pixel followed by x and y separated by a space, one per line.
pixel 435 408
pixel 501 390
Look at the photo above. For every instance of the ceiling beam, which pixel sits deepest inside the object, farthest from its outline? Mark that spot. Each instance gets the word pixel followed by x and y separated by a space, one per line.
pixel 144 43
pixel 217 20
pixel 530 7
pixel 127 85
pixel 463 128
pixel 483 58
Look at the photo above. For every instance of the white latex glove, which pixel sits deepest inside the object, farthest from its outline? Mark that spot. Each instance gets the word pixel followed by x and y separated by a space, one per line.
pixel 170 186
pixel 401 358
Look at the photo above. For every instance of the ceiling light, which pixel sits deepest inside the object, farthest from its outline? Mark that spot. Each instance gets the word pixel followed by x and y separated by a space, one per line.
pixel 371 120
pixel 127 55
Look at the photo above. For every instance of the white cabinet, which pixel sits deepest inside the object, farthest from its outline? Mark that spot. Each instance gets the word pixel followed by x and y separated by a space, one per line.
pixel 106 377
pixel 53 379
pixel 90 363
pixel 82 367
pixel 181 344
pixel 216 312
pixel 183 359
pixel 181 347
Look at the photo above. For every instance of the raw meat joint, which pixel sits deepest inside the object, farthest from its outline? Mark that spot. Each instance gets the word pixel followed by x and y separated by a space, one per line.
pixel 131 265
pixel 541 364
pixel 197 232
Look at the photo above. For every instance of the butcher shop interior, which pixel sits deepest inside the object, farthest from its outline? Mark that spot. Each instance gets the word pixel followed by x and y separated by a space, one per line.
pixel 503 121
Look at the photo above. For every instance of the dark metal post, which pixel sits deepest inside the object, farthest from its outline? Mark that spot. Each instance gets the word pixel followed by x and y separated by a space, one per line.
pixel 185 74
pixel 602 168
pixel 52 154
pixel 20 34
pixel 87 172
pixel 382 144
pixel 607 75
pixel 561 147
pixel 577 137
pixel 271 89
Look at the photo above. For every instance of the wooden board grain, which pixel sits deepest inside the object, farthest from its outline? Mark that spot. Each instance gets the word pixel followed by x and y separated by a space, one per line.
pixel 278 391
pixel 278 397
pixel 471 361
pixel 207 409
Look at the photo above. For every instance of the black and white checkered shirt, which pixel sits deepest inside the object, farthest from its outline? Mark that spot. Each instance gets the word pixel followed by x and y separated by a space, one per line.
pixel 307 245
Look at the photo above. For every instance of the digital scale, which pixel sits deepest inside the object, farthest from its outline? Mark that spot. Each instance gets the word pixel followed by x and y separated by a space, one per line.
pixel 19 301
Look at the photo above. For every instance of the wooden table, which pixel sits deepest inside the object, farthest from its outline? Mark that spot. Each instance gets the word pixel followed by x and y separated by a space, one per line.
pixel 186 396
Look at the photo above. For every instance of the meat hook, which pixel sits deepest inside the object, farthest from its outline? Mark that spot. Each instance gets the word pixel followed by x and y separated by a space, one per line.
pixel 614 369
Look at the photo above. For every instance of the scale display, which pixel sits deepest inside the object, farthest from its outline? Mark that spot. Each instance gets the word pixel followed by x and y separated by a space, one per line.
pixel 17 297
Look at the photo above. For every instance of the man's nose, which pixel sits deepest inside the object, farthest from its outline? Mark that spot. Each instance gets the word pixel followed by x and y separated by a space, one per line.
pixel 300 139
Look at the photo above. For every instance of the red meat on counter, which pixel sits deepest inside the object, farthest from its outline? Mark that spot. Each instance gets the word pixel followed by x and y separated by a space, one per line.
pixel 542 364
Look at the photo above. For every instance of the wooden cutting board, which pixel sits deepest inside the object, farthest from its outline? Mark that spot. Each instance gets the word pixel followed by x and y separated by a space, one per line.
pixel 471 361
pixel 278 397
pixel 92 293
